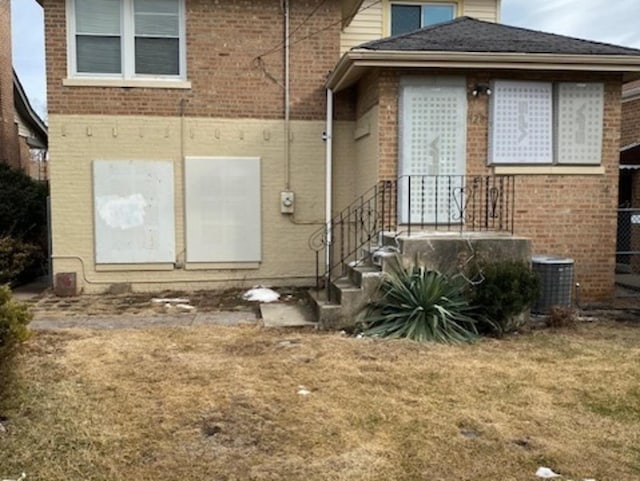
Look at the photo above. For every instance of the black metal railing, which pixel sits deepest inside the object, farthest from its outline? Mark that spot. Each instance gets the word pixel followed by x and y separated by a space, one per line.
pixel 456 202
pixel 407 204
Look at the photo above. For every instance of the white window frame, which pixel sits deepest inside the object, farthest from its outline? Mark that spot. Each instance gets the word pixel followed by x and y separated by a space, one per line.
pixel 454 5
pixel 555 129
pixel 127 47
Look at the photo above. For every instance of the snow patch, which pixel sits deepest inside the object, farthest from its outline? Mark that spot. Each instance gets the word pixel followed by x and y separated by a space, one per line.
pixel 261 294
pixel 546 473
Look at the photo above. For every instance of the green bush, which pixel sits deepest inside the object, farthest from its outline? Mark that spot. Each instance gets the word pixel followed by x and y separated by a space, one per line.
pixel 421 305
pixel 19 261
pixel 23 226
pixel 507 290
pixel 14 318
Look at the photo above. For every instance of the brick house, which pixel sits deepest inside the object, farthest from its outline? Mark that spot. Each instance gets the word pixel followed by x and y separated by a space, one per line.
pixel 202 132
pixel 23 134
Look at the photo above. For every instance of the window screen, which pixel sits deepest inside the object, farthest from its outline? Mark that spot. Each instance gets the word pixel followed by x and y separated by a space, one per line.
pixel 157 37
pixel 98 36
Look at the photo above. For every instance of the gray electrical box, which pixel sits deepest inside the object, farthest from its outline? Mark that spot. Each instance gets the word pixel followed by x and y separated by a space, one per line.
pixel 287 202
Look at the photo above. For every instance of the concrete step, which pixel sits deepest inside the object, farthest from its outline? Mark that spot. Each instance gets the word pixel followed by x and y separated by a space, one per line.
pixel 328 314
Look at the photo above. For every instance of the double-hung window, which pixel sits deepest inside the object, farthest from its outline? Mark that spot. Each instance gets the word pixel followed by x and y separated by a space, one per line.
pixel 406 17
pixel 546 123
pixel 127 39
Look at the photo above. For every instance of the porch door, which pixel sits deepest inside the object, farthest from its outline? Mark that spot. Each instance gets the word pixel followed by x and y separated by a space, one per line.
pixel 432 149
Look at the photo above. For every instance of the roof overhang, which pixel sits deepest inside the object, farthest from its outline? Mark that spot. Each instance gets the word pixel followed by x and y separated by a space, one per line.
pixel 357 62
pixel 630 156
pixel 26 112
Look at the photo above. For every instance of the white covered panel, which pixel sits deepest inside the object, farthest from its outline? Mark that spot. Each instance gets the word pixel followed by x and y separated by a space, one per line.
pixel 579 123
pixel 521 123
pixel 433 131
pixel 133 211
pixel 223 209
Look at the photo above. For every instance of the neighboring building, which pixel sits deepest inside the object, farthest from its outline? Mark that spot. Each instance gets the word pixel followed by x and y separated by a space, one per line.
pixel 23 135
pixel 187 139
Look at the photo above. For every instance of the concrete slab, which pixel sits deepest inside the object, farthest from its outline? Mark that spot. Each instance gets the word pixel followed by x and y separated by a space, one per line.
pixel 31 290
pixel 286 315
pixel 630 281
pixel 224 318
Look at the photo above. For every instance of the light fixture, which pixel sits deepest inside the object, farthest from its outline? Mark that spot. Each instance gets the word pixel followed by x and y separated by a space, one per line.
pixel 481 89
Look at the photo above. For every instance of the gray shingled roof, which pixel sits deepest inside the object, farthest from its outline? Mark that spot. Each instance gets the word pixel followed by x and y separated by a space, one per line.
pixel 466 34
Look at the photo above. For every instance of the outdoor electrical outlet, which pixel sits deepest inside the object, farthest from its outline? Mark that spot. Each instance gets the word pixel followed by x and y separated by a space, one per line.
pixel 287 202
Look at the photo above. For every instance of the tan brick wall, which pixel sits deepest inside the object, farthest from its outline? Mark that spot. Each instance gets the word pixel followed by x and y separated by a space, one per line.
pixel 287 259
pixel 9 147
pixel 567 215
pixel 223 41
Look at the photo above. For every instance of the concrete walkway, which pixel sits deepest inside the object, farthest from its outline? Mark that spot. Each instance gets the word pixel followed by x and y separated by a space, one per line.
pixel 124 321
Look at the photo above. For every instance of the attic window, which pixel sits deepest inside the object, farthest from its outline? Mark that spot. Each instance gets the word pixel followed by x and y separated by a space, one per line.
pixel 126 39
pixel 407 17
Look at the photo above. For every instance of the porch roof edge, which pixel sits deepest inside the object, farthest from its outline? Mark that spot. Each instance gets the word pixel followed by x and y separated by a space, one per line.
pixel 356 62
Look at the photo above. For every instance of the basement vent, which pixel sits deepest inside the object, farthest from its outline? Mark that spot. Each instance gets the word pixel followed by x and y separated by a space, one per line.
pixel 556 281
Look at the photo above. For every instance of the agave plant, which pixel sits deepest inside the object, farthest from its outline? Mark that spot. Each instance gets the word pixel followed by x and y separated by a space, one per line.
pixel 422 305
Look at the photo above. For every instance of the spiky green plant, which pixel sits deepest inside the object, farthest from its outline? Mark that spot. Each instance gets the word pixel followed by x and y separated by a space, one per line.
pixel 422 305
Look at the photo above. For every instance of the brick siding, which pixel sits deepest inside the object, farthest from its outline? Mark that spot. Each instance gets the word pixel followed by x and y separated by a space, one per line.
pixel 567 215
pixel 9 147
pixel 630 122
pixel 223 40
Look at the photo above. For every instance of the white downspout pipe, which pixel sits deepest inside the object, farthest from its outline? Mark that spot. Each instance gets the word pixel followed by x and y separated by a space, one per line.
pixel 328 177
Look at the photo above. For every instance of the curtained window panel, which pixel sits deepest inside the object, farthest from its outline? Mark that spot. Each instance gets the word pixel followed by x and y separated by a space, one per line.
pixel 98 36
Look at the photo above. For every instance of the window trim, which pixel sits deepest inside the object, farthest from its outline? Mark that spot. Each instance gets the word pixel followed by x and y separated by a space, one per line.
pixel 127 44
pixel 555 165
pixel 456 4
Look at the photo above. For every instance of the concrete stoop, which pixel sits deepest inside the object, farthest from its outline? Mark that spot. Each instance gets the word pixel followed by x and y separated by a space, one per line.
pixel 445 252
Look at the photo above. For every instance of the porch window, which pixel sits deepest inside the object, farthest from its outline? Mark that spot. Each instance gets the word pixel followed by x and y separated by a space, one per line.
pixel 126 39
pixel 413 16
pixel 546 123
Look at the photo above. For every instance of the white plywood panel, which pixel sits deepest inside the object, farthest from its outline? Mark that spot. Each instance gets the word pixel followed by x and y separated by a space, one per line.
pixel 433 131
pixel 133 211
pixel 521 116
pixel 579 123
pixel 223 209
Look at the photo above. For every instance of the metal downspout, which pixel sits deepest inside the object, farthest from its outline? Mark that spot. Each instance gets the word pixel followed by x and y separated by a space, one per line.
pixel 328 184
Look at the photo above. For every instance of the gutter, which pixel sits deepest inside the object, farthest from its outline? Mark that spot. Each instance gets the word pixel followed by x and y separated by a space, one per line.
pixel 348 68
pixel 328 179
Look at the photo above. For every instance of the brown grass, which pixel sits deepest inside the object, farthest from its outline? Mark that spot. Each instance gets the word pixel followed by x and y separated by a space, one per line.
pixel 222 404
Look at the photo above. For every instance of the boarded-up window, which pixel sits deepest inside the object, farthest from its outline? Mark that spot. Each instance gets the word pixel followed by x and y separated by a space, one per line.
pixel 133 212
pixel 223 209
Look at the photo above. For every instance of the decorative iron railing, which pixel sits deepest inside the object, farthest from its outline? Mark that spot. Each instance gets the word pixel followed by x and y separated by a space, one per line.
pixel 408 204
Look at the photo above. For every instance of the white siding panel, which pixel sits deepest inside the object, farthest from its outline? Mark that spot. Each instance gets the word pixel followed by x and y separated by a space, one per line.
pixel 481 9
pixel 365 26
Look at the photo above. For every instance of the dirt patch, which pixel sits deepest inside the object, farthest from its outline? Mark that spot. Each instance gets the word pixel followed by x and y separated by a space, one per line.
pixel 144 304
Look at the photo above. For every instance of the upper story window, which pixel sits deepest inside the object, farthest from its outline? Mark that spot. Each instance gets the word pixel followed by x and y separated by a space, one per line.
pixel 126 38
pixel 406 17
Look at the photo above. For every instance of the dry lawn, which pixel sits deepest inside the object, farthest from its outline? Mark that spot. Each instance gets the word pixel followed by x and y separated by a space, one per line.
pixel 222 404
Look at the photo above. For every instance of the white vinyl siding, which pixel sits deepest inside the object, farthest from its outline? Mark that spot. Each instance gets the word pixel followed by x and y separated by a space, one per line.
pixel 486 10
pixel 223 209
pixel 365 26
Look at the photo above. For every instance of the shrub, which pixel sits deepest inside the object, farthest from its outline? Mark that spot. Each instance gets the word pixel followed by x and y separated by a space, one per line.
pixel 421 305
pixel 560 316
pixel 14 318
pixel 507 290
pixel 19 261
